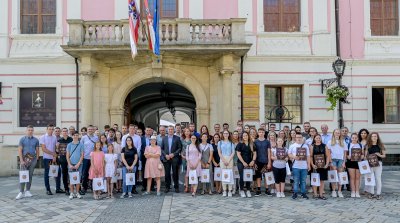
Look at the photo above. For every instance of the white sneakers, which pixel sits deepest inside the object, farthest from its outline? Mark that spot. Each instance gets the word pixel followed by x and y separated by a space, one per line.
pixel 224 194
pixel 357 194
pixel 129 194
pixel 340 194
pixel 280 194
pixel 28 194
pixel 229 194
pixel 19 196
pixel 242 194
pixel 122 195
pixel 248 194
pixel 334 194
pixel 353 194
pixel 283 194
pixel 77 195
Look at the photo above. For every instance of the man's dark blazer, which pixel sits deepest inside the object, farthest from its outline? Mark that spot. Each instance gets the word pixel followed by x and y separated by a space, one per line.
pixel 176 147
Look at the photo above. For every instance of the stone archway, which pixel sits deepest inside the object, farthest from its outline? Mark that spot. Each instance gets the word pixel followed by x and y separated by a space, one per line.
pixel 145 75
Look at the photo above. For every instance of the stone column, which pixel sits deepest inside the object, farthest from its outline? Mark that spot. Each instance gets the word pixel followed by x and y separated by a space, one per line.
pixel 227 95
pixel 203 117
pixel 87 97
pixel 117 116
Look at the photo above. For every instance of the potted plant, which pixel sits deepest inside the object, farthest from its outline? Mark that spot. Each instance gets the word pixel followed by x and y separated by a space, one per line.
pixel 335 94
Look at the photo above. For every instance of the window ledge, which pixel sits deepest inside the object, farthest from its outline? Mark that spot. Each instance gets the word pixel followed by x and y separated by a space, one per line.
pixel 35 36
pixel 282 34
pixel 382 38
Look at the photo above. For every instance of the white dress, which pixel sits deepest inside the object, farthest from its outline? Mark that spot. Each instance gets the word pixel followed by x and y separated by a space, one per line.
pixel 110 166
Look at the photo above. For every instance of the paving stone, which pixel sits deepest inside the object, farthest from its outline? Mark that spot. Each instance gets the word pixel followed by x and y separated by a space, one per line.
pixel 183 208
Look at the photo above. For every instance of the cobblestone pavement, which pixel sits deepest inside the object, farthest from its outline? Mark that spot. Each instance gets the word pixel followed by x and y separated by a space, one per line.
pixel 183 208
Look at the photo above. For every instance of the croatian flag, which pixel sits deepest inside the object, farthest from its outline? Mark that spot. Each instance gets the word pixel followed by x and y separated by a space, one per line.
pixel 152 27
pixel 134 21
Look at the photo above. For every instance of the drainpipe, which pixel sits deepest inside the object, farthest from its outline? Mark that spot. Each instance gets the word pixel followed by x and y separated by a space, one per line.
pixel 337 25
pixel 77 94
pixel 339 80
pixel 241 88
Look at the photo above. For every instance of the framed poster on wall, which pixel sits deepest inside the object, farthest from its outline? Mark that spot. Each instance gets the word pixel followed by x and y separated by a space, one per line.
pixel 37 106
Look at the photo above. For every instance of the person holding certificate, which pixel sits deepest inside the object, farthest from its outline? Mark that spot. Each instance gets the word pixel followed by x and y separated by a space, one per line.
pixel 320 163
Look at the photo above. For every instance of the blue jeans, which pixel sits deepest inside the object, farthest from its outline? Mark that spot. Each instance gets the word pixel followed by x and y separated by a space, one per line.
pixel 337 163
pixel 125 188
pixel 299 176
pixel 46 164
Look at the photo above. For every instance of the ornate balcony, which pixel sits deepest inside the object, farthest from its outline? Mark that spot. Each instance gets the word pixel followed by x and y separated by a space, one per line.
pixel 176 35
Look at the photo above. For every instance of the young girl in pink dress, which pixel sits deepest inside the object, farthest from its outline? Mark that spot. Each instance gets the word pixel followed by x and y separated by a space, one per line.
pixel 193 157
pixel 96 166
pixel 154 168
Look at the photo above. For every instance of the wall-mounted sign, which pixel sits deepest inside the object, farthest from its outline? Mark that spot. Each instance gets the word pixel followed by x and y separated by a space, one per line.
pixel 251 102
pixel 37 106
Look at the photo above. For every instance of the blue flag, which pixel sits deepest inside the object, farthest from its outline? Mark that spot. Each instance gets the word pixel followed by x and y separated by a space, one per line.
pixel 156 23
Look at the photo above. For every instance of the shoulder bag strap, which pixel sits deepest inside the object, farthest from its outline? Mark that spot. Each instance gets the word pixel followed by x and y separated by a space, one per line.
pixel 74 150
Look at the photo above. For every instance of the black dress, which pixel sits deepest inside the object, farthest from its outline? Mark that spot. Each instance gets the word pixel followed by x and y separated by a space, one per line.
pixel 318 150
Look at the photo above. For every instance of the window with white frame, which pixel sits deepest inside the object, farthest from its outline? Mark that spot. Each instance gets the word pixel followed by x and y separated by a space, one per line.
pixel 288 96
pixel 282 15
pixel 38 16
pixel 386 105
pixel 384 17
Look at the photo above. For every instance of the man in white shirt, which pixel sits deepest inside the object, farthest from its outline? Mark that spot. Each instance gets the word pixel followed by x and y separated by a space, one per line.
pixel 161 135
pixel 48 143
pixel 300 154
pixel 325 135
pixel 178 130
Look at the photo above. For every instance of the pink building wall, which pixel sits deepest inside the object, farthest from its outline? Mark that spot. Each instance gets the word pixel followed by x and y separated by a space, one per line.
pixel 220 9
pixel 351 16
pixel 98 10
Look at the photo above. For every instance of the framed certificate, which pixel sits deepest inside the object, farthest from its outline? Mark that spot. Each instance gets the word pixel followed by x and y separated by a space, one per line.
pixel 301 153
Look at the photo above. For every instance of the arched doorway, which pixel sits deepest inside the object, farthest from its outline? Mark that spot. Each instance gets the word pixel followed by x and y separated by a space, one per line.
pixel 155 102
pixel 137 77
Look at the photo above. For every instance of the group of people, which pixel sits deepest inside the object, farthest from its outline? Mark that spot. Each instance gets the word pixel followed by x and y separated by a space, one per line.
pixel 225 162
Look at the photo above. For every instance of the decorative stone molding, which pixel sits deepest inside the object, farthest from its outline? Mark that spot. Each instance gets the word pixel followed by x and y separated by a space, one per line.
pixel 116 111
pixel 157 62
pixel 88 75
pixel 382 47
pixel 296 44
pixel 36 46
pixel 201 111
pixel 227 74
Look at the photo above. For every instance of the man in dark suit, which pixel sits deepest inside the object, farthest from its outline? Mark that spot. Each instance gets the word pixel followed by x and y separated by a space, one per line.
pixel 171 148
pixel 145 142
